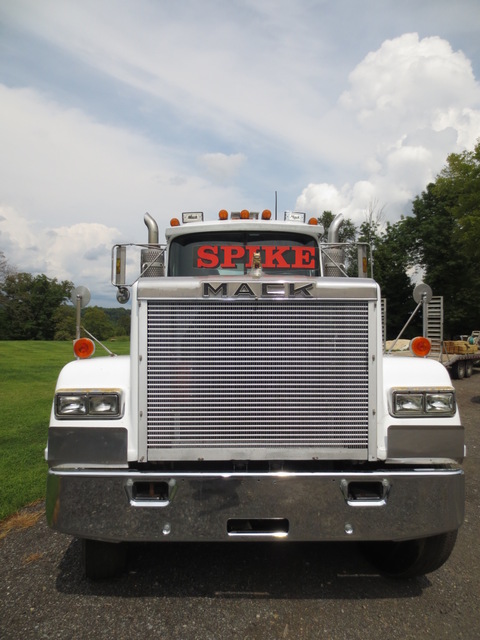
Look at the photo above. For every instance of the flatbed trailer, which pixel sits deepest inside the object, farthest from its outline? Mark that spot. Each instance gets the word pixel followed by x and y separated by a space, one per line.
pixel 460 365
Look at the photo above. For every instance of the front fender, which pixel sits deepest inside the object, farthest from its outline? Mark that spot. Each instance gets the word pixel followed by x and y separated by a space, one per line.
pixel 418 440
pixel 92 442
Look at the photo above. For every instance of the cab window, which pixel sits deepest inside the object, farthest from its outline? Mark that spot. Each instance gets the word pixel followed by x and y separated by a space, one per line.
pixel 209 254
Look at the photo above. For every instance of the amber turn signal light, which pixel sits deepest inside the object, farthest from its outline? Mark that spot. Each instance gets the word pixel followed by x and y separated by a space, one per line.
pixel 83 348
pixel 420 346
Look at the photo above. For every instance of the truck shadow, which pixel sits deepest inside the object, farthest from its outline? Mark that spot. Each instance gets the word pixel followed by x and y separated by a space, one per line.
pixel 244 570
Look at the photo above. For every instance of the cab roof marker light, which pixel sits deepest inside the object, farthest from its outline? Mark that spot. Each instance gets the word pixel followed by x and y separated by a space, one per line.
pixel 174 222
pixel 223 214
pixel 313 221
pixel 266 214
pixel 192 216
pixel 294 216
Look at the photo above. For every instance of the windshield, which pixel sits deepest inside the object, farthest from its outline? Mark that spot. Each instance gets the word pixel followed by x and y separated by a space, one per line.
pixel 224 253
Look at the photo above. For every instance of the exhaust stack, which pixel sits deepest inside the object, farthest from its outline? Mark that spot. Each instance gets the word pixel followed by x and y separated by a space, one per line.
pixel 334 253
pixel 152 259
pixel 152 229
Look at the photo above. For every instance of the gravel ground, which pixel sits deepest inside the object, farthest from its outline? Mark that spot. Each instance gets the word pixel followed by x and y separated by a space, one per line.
pixel 215 591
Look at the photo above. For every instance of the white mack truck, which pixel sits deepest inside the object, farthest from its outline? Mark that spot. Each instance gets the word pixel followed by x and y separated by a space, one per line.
pixel 256 404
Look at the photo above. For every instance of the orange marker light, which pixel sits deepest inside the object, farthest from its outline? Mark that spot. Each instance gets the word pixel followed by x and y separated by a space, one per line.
pixel 244 214
pixel 223 214
pixel 313 221
pixel 420 346
pixel 266 214
pixel 174 222
pixel 83 348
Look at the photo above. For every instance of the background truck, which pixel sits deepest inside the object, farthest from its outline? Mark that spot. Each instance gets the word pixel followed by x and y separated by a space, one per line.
pixel 256 404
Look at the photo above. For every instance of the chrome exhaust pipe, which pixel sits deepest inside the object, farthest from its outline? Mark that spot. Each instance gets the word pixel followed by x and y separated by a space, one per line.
pixel 335 253
pixel 152 229
pixel 152 259
pixel 334 228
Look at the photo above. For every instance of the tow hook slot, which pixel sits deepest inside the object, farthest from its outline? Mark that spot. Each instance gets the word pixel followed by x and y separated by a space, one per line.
pixel 256 527
pixel 365 493
pixel 148 493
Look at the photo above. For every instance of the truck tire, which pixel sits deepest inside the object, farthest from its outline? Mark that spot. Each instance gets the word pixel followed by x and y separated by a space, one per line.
pixel 103 560
pixel 458 370
pixel 410 558
pixel 468 368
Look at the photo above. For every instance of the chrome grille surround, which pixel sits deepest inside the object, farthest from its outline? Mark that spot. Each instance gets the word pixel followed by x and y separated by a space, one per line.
pixel 257 379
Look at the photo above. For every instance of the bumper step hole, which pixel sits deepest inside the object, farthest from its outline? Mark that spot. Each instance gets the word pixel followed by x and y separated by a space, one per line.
pixel 275 527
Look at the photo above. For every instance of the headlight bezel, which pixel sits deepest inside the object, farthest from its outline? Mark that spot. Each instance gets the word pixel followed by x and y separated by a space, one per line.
pixel 423 402
pixel 98 404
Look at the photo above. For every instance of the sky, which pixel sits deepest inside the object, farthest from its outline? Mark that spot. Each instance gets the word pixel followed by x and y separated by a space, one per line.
pixel 113 108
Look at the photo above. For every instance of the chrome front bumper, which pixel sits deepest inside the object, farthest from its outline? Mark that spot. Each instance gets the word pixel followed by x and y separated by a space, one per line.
pixel 131 505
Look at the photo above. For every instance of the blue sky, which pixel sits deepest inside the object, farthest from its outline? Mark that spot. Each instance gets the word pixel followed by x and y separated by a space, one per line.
pixel 112 108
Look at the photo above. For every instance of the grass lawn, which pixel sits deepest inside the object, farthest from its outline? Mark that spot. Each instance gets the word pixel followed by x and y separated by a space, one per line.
pixel 28 372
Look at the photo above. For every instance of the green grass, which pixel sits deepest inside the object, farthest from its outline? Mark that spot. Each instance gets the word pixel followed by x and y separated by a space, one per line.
pixel 28 372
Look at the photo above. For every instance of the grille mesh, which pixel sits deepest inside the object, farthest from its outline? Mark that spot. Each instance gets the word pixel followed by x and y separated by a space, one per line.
pixel 264 374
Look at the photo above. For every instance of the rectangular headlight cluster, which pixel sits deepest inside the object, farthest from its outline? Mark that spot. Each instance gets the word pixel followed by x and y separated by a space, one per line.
pixel 95 404
pixel 423 403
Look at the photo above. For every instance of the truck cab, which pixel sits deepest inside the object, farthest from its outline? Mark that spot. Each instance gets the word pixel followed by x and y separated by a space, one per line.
pixel 256 403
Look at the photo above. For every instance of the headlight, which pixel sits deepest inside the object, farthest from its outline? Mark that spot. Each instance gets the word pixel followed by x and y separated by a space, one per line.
pixel 104 404
pixel 407 403
pixel 71 405
pixel 440 403
pixel 425 403
pixel 95 404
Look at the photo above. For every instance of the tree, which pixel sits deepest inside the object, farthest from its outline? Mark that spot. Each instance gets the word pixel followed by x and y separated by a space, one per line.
pixel 459 184
pixel 65 322
pixel 443 237
pixel 120 318
pixel 5 268
pixel 391 272
pixel 97 322
pixel 28 305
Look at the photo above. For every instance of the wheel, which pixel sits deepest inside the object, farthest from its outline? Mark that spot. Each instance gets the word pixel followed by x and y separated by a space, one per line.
pixel 468 368
pixel 103 559
pixel 410 558
pixel 458 370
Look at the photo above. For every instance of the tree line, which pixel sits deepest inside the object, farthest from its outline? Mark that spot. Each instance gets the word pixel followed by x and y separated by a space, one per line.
pixel 36 308
pixel 439 242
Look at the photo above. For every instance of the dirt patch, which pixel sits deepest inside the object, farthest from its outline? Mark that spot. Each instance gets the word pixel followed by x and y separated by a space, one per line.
pixel 27 517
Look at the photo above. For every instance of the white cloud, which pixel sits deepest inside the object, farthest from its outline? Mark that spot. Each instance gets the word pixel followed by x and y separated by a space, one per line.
pixel 414 102
pixel 58 252
pixel 408 81
pixel 59 164
pixel 322 197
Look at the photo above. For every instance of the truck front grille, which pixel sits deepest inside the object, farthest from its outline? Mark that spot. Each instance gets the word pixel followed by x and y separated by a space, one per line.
pixel 287 376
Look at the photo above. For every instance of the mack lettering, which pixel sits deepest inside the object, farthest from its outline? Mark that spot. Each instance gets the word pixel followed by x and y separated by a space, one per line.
pixel 255 290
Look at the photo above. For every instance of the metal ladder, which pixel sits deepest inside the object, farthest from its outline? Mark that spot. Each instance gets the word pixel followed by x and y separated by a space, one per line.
pixel 435 326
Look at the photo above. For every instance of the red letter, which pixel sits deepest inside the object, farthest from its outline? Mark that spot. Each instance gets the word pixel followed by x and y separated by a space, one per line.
pixel 304 257
pixel 231 253
pixel 207 257
pixel 275 254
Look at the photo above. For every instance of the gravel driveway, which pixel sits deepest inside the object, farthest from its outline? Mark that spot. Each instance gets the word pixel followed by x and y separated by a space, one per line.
pixel 217 591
